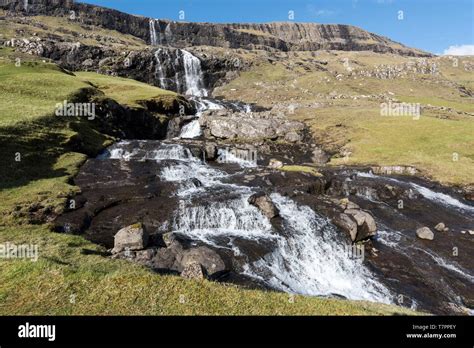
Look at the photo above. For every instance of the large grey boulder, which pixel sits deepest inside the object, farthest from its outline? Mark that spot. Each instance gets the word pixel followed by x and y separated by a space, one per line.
pixel 133 237
pixel 359 224
pixel 347 224
pixel 211 262
pixel 366 226
pixel 255 126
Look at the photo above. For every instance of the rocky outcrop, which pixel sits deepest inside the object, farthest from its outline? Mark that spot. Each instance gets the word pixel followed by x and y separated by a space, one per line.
pixel 162 67
pixel 222 124
pixel 284 36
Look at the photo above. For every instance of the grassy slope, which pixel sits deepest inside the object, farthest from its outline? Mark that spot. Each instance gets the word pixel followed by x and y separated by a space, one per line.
pixel 70 276
pixel 428 143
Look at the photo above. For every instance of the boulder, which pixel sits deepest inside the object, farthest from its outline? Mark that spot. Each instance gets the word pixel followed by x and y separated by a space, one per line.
pixel 265 204
pixel 425 233
pixel 133 237
pixel 204 256
pixel 165 260
pixel 366 226
pixel 193 271
pixel 347 224
pixel 293 137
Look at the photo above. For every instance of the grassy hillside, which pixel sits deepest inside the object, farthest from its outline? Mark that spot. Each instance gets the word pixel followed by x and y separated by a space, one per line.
pixel 71 276
pixel 330 92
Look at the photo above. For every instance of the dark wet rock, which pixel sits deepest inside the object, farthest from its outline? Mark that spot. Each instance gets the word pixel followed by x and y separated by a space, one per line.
pixel 165 260
pixel 425 233
pixel 132 237
pixel 265 204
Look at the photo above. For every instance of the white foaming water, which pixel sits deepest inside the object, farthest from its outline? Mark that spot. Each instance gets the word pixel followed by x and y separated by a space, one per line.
pixel 447 265
pixel 191 130
pixel 310 260
pixel 193 75
pixel 153 34
pixel 233 218
pixel 173 152
pixel 429 194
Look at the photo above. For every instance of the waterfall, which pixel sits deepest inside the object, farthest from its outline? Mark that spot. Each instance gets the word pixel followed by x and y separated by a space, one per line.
pixel 25 5
pixel 153 34
pixel 193 129
pixel 159 70
pixel 182 69
pixel 310 260
pixel 193 75
pixel 306 257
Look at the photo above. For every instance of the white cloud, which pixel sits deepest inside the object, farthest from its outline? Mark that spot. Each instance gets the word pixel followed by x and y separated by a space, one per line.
pixel 461 50
pixel 319 12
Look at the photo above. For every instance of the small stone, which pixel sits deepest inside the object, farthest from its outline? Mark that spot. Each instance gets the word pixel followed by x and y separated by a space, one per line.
pixel 440 227
pixel 425 233
pixel 275 164
pixel 471 232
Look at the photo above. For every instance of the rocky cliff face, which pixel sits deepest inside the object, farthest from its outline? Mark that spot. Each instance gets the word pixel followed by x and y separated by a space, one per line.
pixel 285 36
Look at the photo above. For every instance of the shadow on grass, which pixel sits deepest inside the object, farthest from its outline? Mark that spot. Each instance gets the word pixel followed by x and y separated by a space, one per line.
pixel 30 150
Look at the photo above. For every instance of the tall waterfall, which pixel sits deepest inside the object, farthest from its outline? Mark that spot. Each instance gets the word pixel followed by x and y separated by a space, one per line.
pixel 193 75
pixel 181 71
pixel 153 34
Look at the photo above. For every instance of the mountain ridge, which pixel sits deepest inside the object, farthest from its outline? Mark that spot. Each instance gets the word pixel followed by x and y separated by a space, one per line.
pixel 279 36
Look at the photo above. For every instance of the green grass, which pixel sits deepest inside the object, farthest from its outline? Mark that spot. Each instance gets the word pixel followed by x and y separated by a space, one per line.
pixel 124 91
pixel 65 281
pixel 302 169
pixel 32 90
pixel 356 125
pixel 71 277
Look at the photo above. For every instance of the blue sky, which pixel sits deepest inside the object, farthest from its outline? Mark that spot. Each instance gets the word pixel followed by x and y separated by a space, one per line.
pixel 432 25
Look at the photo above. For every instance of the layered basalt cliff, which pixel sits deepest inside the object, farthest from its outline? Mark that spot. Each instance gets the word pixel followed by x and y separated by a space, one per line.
pixel 285 36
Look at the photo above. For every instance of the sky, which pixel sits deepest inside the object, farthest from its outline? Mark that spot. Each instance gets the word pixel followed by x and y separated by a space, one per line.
pixel 437 26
